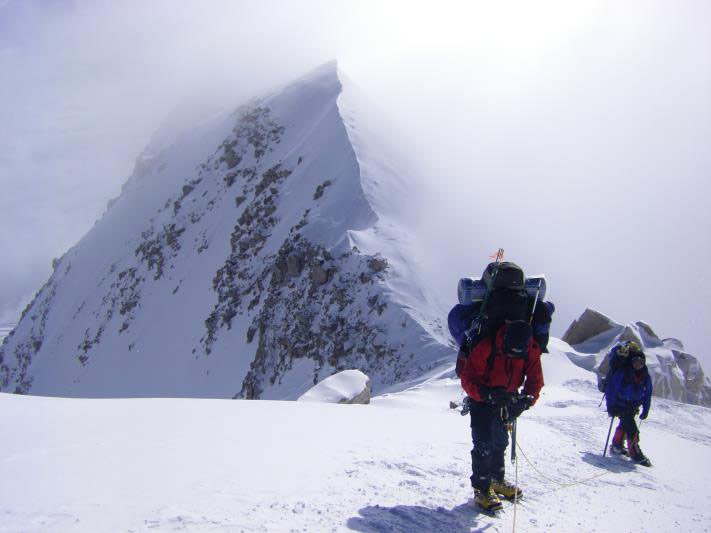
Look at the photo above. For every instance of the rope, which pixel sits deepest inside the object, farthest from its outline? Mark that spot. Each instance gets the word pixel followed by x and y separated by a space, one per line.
pixel 561 485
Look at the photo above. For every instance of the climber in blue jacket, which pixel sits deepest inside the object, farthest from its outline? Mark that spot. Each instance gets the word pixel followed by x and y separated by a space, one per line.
pixel 627 389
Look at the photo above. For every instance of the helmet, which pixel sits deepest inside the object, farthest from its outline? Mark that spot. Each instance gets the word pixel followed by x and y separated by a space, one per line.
pixel 627 348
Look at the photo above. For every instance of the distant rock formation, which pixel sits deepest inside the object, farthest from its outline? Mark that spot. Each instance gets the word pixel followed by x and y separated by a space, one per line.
pixel 676 374
pixel 590 324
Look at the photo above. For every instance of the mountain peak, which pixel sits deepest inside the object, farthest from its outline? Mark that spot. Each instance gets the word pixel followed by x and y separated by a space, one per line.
pixel 329 69
pixel 322 85
pixel 229 268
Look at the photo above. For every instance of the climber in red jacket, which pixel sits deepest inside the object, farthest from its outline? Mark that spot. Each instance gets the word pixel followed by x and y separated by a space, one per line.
pixel 495 370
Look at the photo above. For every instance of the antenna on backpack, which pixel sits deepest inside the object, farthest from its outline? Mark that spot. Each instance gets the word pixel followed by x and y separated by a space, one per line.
pixel 498 256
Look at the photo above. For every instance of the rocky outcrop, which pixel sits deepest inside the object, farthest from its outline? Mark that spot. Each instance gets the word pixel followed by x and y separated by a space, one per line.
pixel 320 311
pixel 590 324
pixel 676 374
pixel 35 317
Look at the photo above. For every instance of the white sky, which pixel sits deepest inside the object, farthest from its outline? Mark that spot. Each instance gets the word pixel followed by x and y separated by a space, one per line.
pixel 573 134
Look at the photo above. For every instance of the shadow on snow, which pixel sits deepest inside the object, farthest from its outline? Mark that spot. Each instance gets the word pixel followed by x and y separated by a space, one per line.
pixel 409 518
pixel 610 463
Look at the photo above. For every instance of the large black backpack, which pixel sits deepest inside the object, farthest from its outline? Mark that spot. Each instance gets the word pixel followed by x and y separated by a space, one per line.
pixel 503 295
pixel 506 299
pixel 505 302
pixel 505 275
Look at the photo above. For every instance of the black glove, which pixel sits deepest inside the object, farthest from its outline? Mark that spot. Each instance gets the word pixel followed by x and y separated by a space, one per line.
pixel 519 406
pixel 643 416
pixel 496 395
pixel 632 410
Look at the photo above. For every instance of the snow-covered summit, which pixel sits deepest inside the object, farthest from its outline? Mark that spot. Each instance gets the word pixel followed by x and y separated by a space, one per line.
pixel 676 374
pixel 251 255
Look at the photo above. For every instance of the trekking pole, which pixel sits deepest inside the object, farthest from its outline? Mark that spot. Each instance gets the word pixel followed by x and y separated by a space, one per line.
pixel 535 301
pixel 601 399
pixel 513 441
pixel 604 452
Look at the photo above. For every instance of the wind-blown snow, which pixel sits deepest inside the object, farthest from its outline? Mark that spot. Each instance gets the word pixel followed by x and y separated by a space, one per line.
pixel 399 464
pixel 337 388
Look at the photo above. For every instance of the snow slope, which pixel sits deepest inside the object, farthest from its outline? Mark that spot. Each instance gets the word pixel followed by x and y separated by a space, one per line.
pixel 400 464
pixel 251 255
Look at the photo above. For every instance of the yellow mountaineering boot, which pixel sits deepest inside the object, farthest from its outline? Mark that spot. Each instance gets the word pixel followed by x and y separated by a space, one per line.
pixel 487 500
pixel 506 489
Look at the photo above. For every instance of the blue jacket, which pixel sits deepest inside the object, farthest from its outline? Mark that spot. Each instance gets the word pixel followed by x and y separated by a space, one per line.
pixel 626 390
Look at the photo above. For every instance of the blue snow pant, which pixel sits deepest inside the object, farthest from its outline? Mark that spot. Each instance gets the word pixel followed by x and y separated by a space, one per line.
pixel 490 439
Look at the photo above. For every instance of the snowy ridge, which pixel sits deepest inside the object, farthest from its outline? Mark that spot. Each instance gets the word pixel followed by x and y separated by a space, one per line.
pixel 400 464
pixel 243 259
pixel 5 331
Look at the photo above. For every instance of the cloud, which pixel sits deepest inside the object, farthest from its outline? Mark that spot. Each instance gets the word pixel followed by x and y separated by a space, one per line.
pixel 574 135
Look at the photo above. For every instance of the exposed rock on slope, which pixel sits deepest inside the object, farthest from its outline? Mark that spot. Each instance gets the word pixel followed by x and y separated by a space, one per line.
pixel 228 268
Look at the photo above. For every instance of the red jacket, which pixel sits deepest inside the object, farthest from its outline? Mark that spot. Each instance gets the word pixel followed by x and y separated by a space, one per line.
pixel 506 371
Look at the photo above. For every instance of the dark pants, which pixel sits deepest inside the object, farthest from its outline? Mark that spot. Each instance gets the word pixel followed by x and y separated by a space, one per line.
pixel 490 439
pixel 628 425
pixel 627 430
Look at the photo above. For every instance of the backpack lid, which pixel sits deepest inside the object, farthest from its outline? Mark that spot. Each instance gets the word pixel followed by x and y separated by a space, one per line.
pixel 504 275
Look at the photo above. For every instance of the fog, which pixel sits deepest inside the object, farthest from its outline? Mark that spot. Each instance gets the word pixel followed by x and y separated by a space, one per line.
pixel 574 135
